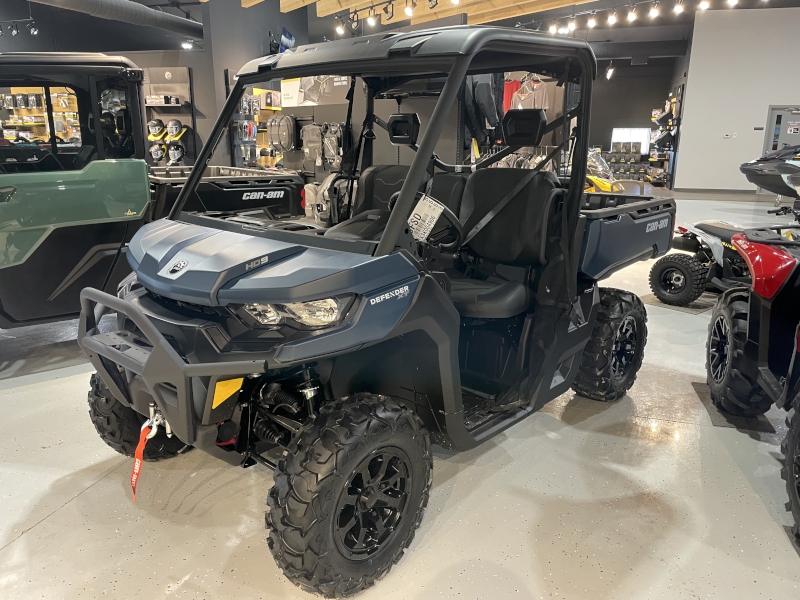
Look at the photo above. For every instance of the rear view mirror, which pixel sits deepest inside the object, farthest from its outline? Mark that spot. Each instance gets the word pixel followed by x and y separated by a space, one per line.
pixel 403 129
pixel 524 127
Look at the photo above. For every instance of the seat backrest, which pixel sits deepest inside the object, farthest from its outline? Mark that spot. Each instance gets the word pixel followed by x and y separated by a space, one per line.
pixel 515 235
pixel 376 186
pixel 448 188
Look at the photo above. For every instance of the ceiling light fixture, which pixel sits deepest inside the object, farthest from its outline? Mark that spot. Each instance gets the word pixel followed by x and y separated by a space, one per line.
pixel 371 20
pixel 654 11
pixel 733 2
pixel 553 28
pixel 409 10
pixel 32 28
pixel 14 29
pixel 455 1
pixel 433 4
pixel 678 8
pixel 339 25
pixel 187 44
pixel 612 18
pixel 572 25
pixel 388 11
pixel 354 19
pixel 592 22
pixel 610 70
pixel 632 15
pixel 703 5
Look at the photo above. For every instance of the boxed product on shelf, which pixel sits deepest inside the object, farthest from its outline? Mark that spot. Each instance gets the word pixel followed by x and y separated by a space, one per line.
pixel 270 98
pixel 636 148
pixel 616 147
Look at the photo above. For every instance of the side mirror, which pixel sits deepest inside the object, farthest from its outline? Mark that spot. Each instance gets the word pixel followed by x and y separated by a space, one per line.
pixel 524 127
pixel 403 129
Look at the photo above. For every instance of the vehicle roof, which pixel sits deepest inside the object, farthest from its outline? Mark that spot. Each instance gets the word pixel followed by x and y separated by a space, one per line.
pixel 78 59
pixel 379 52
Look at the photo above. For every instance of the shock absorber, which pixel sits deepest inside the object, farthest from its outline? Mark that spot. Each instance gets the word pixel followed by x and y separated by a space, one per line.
pixel 267 431
pixel 273 396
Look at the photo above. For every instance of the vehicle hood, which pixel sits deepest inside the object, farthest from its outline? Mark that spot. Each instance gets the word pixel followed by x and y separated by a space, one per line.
pixel 210 267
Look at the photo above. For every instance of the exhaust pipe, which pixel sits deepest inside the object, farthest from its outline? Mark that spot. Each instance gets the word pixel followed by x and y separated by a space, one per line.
pixel 126 11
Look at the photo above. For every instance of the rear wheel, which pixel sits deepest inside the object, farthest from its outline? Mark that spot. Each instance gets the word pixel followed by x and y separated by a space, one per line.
pixel 349 495
pixel 119 426
pixel 732 390
pixel 791 468
pixel 678 279
pixel 614 354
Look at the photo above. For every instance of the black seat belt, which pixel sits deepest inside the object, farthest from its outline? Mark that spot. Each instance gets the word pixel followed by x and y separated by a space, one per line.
pixel 510 196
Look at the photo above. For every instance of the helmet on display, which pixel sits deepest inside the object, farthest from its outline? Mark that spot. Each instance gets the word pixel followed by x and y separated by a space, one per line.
pixel 176 151
pixel 174 127
pixel 108 123
pixel 155 126
pixel 157 151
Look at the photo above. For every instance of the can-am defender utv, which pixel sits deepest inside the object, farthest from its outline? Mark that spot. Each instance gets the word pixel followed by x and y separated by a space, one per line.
pixel 338 357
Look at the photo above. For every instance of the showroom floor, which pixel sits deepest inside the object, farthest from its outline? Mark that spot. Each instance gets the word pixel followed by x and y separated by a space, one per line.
pixel 655 496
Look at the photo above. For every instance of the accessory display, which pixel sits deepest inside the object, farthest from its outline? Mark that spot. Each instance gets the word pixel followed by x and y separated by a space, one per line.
pixel 311 135
pixel 156 130
pixel 176 153
pixel 246 131
pixel 282 133
pixel 332 143
pixel 174 127
pixel 250 105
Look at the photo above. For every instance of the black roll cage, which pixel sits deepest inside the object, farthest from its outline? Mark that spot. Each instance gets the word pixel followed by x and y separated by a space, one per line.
pixel 471 50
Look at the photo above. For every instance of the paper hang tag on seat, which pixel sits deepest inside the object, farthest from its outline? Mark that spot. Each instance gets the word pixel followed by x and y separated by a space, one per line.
pixel 424 217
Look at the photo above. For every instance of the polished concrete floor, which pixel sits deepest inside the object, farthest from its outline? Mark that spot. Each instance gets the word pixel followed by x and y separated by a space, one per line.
pixel 656 496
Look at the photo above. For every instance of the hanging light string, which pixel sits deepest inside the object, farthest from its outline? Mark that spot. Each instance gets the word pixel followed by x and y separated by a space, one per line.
pixel 384 12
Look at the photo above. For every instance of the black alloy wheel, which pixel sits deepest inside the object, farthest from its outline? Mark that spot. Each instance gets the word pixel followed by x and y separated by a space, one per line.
pixel 719 345
pixel 373 503
pixel 624 349
pixel 678 279
pixel 673 281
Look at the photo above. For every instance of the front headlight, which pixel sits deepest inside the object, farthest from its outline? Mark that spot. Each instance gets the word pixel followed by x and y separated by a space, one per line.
pixel 314 314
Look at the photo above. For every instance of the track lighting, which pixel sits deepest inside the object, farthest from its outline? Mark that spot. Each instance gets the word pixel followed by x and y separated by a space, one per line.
pixel 14 29
pixel 339 25
pixel 612 18
pixel 455 1
pixel 733 2
pixel 572 25
pixel 679 7
pixel 354 19
pixel 592 22
pixel 371 20
pixel 410 9
pixel 388 11
pixel 703 5
pixel 610 70
pixel 32 28
pixel 553 28
pixel 632 15
pixel 654 11
pixel 433 4
pixel 187 44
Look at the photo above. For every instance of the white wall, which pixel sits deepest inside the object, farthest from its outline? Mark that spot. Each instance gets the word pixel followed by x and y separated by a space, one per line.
pixel 742 61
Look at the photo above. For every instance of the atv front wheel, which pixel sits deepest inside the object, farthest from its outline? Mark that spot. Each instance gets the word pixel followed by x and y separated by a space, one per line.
pixel 614 354
pixel 732 391
pixel 791 467
pixel 678 279
pixel 119 426
pixel 349 495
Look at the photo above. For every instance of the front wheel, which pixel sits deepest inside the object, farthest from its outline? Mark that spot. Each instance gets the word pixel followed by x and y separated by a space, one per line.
pixel 732 390
pixel 791 467
pixel 349 495
pixel 614 354
pixel 678 279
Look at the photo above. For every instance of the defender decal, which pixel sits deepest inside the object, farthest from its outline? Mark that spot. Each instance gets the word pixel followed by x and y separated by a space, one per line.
pixel 398 293
pixel 275 194
pixel 657 225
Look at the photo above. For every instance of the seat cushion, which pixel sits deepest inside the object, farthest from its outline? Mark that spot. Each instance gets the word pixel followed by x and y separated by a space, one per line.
pixel 376 186
pixel 489 299
pixel 720 229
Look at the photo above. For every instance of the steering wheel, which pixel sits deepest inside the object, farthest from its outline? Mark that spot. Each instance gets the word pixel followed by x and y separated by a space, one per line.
pixel 453 227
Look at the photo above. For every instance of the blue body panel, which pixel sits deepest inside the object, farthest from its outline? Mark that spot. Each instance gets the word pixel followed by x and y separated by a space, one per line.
pixel 210 267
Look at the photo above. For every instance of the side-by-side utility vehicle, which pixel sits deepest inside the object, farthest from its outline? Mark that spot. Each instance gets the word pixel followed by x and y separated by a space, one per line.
pixel 452 304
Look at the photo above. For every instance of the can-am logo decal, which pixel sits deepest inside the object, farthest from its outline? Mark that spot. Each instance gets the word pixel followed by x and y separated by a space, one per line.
pixel 262 195
pixel 656 225
pixel 178 267
pixel 256 263
pixel 398 293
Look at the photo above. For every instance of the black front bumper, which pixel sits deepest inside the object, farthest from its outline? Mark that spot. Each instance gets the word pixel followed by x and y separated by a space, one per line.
pixel 182 391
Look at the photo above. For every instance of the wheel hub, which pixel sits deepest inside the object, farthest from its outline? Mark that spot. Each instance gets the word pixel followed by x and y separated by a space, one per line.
pixel 373 503
pixel 719 349
pixel 673 281
pixel 624 349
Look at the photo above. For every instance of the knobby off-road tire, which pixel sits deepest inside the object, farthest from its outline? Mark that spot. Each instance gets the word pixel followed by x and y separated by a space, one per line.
pixel 790 472
pixel 732 391
pixel 614 353
pixel 349 495
pixel 119 426
pixel 678 279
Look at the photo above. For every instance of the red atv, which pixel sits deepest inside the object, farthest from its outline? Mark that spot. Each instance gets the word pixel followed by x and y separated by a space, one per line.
pixel 754 337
